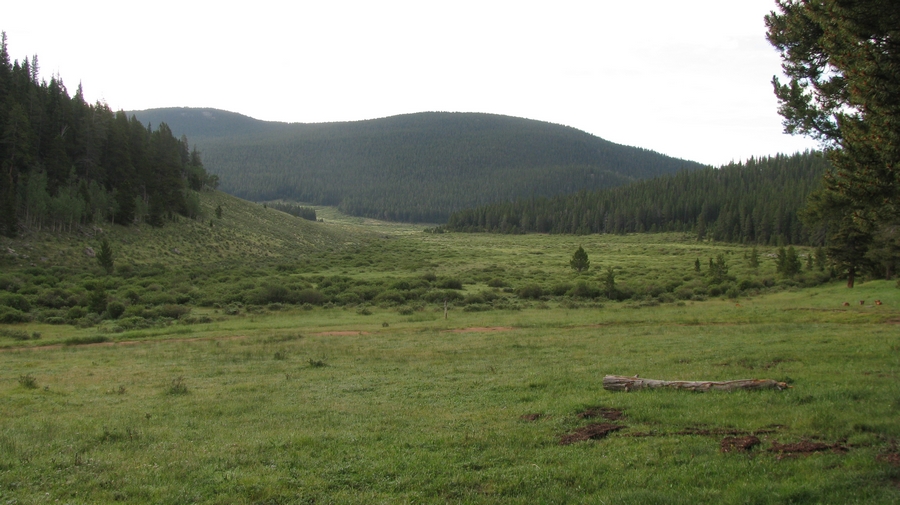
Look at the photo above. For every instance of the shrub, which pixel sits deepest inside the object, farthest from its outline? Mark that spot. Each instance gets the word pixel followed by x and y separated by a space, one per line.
pixel 496 283
pixel 14 334
pixel 530 291
pixel 17 302
pixel 584 290
pixel 115 309
pixel 310 296
pixel 177 387
pixel 28 381
pixel 9 315
pixel 95 339
pixel 560 289
pixel 438 296
pixel 450 284
pixel 171 311
pixel 391 297
pixel 348 298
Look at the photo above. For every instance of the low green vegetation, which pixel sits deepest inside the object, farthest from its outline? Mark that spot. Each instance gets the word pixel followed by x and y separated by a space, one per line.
pixel 272 359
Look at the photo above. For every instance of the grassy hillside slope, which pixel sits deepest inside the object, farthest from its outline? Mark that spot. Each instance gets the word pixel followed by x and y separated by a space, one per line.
pixel 414 167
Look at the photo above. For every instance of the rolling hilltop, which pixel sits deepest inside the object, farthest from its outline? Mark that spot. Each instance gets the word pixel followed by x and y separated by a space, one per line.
pixel 414 167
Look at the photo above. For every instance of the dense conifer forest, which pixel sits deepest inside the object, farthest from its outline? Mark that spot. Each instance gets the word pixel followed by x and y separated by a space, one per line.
pixel 752 202
pixel 414 167
pixel 65 162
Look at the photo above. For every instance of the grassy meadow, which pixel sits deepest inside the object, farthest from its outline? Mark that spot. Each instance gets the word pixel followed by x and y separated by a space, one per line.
pixel 273 360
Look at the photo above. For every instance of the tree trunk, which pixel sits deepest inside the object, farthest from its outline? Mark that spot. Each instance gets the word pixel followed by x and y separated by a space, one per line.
pixel 621 383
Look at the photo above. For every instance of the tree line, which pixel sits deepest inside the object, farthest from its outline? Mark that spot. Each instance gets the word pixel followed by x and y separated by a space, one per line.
pixel 755 202
pixel 64 162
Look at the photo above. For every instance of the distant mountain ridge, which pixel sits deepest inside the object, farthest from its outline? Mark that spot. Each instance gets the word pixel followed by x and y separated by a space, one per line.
pixel 414 167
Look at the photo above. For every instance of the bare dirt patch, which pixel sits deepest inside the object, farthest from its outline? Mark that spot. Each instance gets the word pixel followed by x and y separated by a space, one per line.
pixel 893 458
pixel 480 329
pixel 739 444
pixel 339 333
pixel 589 432
pixel 805 447
pixel 608 413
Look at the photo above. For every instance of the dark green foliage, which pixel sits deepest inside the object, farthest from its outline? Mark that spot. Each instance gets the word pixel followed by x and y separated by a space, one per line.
pixel 753 260
pixel 843 67
pixel 584 290
pixel 450 284
pixel 530 291
pixel 307 213
pixel 580 261
pixel 105 257
pixel 115 309
pixel 788 262
pixel 752 202
pixel 718 270
pixel 98 299
pixel 609 282
pixel 66 162
pixel 9 315
pixel 415 167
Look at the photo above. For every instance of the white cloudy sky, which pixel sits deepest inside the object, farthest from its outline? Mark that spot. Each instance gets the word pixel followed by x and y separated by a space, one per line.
pixel 688 78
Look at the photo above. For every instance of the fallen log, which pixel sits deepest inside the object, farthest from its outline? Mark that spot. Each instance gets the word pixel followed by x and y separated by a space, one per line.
pixel 622 383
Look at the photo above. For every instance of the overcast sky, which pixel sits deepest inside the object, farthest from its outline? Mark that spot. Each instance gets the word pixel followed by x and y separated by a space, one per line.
pixel 687 78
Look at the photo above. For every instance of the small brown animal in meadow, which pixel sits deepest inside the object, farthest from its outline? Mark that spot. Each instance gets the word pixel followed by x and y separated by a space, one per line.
pixel 846 304
pixel 738 305
pixel 877 302
pixel 862 302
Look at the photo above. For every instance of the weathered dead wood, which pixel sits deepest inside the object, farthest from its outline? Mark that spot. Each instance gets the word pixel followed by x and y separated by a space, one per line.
pixel 621 383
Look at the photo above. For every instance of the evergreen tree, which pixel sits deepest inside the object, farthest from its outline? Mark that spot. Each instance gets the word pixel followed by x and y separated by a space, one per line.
pixel 580 261
pixel 609 283
pixel 754 258
pixel 843 66
pixel 105 256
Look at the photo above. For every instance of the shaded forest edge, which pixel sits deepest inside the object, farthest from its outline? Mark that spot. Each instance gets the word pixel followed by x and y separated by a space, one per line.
pixel 761 201
pixel 64 162
pixel 414 167
pixel 755 202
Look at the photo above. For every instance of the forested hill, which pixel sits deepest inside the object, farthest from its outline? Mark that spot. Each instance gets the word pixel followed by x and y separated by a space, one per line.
pixel 752 202
pixel 414 167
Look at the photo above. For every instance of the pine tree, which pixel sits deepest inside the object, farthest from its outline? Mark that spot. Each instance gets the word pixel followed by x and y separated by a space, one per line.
pixel 105 256
pixel 580 261
pixel 843 65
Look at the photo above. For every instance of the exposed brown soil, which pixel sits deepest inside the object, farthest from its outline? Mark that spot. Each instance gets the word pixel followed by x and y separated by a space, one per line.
pixel 610 414
pixel 589 432
pixel 531 417
pixel 805 447
pixel 339 333
pixel 723 431
pixel 739 444
pixel 891 457
pixel 480 329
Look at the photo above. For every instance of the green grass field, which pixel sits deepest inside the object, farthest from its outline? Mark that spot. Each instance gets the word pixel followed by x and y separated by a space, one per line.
pixel 332 404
